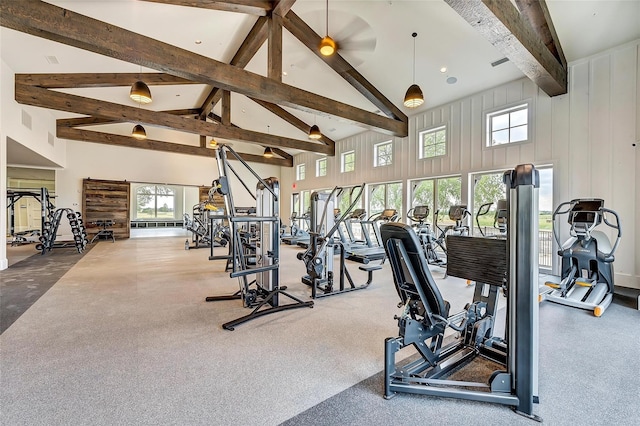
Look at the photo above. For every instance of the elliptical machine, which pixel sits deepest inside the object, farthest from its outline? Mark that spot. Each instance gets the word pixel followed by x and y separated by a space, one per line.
pixel 587 256
pixel 428 239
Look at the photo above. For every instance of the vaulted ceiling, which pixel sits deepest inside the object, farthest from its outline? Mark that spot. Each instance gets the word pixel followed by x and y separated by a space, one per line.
pixel 248 71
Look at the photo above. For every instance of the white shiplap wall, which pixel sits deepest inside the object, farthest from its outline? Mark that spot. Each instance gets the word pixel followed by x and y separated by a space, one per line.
pixel 587 136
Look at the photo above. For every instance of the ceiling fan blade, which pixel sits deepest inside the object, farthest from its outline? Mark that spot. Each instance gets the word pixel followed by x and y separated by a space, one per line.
pixel 368 45
pixel 354 28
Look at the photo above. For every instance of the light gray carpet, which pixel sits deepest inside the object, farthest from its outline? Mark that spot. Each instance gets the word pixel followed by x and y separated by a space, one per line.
pixel 125 337
pixel 27 280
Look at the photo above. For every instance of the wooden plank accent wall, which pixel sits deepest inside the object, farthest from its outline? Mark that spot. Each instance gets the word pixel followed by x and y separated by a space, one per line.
pixel 106 199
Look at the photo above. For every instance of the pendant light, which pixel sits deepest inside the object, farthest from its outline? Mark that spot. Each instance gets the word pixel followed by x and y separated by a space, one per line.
pixel 327 45
pixel 139 132
pixel 414 97
pixel 268 152
pixel 314 132
pixel 140 92
pixel 213 143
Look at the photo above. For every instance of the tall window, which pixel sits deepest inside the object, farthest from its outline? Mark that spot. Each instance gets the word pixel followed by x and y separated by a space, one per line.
pixel 300 172
pixel 438 194
pixel 433 142
pixel 321 167
pixel 487 188
pixel 508 125
pixel 348 161
pixel 383 154
pixel 385 196
pixel 155 202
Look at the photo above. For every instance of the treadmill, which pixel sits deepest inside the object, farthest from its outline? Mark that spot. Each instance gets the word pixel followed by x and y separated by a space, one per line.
pixel 372 250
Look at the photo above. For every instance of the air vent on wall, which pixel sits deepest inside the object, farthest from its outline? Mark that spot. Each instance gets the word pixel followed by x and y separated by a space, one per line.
pixel 52 59
pixel 51 139
pixel 26 119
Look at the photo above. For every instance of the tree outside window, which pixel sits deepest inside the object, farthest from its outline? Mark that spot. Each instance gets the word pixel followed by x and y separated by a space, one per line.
pixel 300 172
pixel 348 163
pixel 155 202
pixel 433 142
pixel 321 167
pixel 383 154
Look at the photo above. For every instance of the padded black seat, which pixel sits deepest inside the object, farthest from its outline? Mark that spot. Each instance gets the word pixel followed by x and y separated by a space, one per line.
pixel 411 274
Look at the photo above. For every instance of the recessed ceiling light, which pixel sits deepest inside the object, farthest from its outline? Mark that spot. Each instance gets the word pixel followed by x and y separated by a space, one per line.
pixel 198 41
pixel 443 69
pixel 452 80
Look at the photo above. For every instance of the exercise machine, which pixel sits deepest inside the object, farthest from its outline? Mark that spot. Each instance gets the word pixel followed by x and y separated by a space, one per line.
pixel 263 294
pixel 509 264
pixel 499 218
pixel 298 232
pixel 587 256
pixel 47 210
pixel 429 241
pixel 319 256
pixel 371 250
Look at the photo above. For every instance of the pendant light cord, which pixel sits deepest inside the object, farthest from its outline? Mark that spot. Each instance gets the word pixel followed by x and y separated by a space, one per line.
pixel 414 35
pixel 327 20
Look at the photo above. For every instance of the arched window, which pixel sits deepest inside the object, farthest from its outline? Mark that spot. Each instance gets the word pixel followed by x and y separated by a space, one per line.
pixel 155 202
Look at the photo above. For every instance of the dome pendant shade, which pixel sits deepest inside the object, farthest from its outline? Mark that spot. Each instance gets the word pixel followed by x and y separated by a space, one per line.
pixel 140 92
pixel 414 97
pixel 268 153
pixel 328 46
pixel 314 132
pixel 139 132
pixel 213 143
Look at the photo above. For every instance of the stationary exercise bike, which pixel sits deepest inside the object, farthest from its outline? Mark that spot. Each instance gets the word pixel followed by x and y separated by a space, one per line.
pixel 587 256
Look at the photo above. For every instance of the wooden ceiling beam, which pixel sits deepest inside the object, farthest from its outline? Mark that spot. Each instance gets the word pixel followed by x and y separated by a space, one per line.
pixel 536 13
pixel 37 96
pixel 84 135
pixel 93 121
pixel 282 7
pixel 54 23
pixel 247 50
pixel 311 39
pixel 251 7
pixel 291 119
pixel 274 48
pixel 84 80
pixel 502 25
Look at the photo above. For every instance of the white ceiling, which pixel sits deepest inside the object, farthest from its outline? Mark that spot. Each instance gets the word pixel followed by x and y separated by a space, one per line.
pixel 376 36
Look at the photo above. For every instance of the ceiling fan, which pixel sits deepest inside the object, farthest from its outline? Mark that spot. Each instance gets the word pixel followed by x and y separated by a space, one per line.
pixel 354 37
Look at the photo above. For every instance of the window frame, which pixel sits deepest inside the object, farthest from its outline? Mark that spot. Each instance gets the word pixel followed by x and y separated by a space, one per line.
pixel 434 130
pixel 301 171
pixel 525 104
pixel 343 163
pixel 319 168
pixel 155 196
pixel 376 156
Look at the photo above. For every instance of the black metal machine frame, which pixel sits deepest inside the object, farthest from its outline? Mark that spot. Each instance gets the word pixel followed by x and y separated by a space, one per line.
pixel 263 293
pixel 319 256
pixel 511 264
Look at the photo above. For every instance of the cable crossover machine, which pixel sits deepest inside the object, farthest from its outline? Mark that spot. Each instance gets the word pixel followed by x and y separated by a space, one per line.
pixel 255 244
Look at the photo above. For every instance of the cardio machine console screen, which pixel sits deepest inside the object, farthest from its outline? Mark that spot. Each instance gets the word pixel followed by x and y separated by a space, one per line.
pixel 586 211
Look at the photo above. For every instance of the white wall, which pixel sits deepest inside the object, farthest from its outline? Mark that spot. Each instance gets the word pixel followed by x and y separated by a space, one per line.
pixel 587 136
pixel 97 161
pixel 35 138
